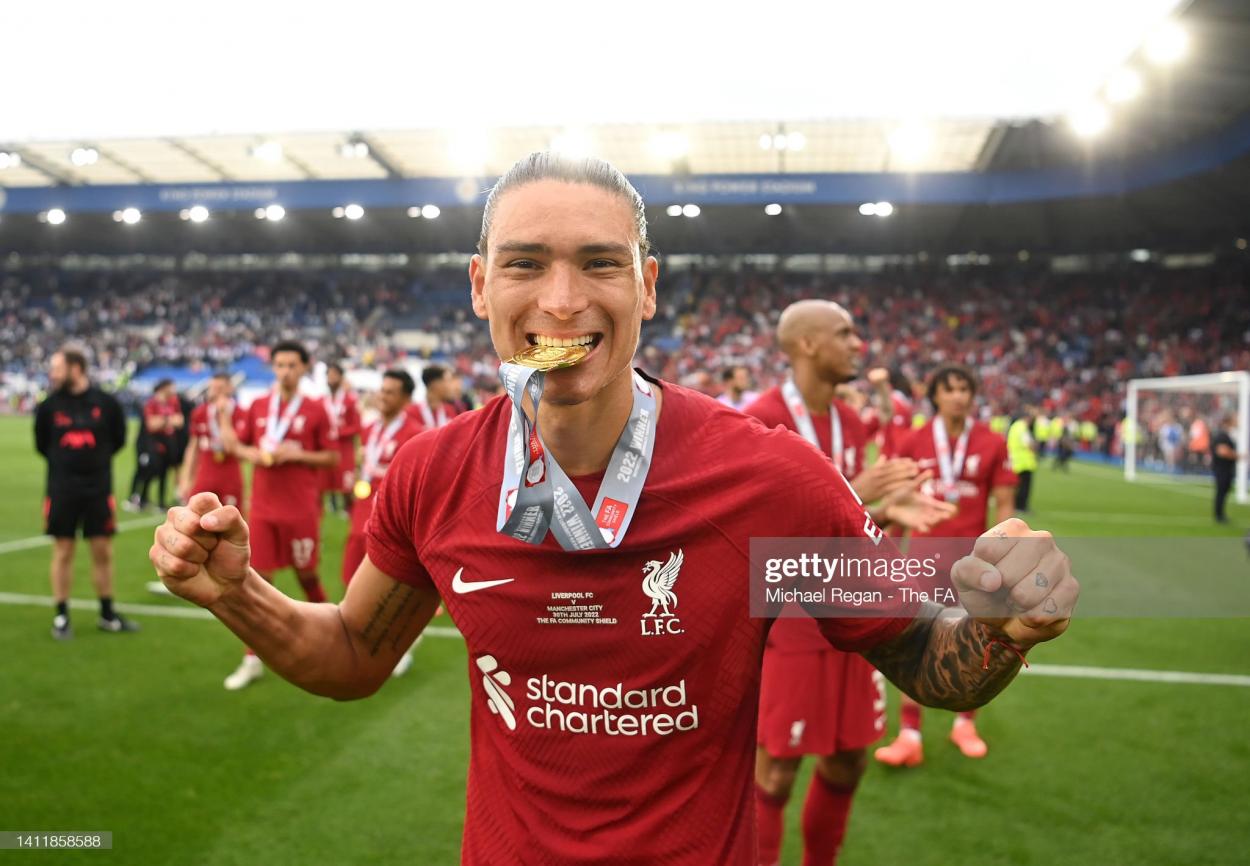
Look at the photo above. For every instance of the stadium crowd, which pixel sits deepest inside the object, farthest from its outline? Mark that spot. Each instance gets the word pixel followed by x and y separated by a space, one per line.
pixel 1063 343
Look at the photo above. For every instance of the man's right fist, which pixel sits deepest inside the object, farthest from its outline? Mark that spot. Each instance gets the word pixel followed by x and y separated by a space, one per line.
pixel 201 551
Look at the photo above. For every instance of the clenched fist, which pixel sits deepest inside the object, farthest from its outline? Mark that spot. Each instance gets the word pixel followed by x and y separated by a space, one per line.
pixel 201 551
pixel 1018 582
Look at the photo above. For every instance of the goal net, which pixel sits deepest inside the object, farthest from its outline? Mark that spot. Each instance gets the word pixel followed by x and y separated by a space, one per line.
pixel 1169 423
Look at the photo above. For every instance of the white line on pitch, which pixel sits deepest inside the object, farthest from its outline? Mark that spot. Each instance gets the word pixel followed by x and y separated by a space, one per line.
pixel 45 540
pixel 175 610
pixel 1075 671
pixel 1093 673
pixel 1119 517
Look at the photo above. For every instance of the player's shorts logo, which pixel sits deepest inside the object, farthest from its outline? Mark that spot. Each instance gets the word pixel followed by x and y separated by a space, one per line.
pixel 493 680
pixel 657 583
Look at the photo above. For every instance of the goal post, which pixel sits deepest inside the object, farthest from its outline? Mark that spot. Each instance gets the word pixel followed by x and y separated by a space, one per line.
pixel 1231 389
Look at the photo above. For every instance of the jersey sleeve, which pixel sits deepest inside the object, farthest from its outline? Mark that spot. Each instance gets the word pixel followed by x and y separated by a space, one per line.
pixel 825 510
pixel 1000 470
pixel 887 618
pixel 391 538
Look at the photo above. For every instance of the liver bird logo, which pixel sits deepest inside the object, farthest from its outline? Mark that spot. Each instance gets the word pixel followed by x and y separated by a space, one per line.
pixel 658 581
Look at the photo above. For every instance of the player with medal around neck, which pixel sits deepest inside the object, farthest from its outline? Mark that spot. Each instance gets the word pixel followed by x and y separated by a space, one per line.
pixel 557 273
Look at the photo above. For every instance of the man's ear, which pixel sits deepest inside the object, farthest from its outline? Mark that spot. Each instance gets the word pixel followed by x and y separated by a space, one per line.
pixel 477 285
pixel 650 273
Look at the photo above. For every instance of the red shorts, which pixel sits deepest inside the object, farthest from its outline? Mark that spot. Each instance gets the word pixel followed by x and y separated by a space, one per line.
pixel 286 542
pixel 819 703
pixel 354 549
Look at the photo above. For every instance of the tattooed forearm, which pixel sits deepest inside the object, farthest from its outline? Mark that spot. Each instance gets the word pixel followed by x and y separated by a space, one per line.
pixel 938 660
pixel 392 613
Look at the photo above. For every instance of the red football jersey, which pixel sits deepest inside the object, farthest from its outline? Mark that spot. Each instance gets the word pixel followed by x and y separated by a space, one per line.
pixel 211 474
pixel 599 733
pixel 772 410
pixel 291 488
pixel 797 634
pixel 985 467
pixel 896 432
pixel 344 412
pixel 156 407
pixel 420 410
pixel 362 508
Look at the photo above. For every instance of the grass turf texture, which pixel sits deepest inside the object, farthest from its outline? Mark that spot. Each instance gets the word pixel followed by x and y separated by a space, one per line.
pixel 134 733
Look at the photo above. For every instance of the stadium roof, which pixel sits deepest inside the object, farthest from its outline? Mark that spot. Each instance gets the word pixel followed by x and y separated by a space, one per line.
pixel 970 86
pixel 1171 169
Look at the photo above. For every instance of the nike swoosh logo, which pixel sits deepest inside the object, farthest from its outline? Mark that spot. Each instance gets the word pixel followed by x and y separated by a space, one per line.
pixel 462 587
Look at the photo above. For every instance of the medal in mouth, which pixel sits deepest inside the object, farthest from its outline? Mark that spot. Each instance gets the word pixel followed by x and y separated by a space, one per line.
pixel 540 356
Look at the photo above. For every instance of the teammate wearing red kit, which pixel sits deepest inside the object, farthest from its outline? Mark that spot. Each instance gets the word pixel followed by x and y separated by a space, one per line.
pixel 613 689
pixel 814 699
pixel 288 439
pixel 889 420
pixel 437 409
pixel 970 466
pixel 379 443
pixel 344 412
pixel 210 464
pixel 381 440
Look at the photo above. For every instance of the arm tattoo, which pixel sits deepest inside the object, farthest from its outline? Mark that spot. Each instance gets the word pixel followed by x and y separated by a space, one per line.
pixel 937 660
pixel 392 613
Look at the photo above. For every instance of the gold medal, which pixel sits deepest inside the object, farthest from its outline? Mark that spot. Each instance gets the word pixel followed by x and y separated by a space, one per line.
pixel 362 489
pixel 266 458
pixel 219 456
pixel 548 358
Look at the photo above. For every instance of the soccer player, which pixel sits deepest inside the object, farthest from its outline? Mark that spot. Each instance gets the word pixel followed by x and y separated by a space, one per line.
pixel 972 468
pixel 894 426
pixel 344 412
pixel 78 429
pixel 436 409
pixel 614 690
pixel 381 440
pixel 210 464
pixel 814 699
pixel 287 438
pixel 737 393
pixel 162 420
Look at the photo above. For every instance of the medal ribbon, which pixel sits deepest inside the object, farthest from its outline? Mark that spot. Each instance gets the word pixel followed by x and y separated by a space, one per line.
pixel 378 439
pixel 275 430
pixel 950 470
pixel 214 429
pixel 803 420
pixel 545 498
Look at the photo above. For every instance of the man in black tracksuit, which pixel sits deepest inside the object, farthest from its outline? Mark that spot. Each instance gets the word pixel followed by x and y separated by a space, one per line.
pixel 1224 458
pixel 78 429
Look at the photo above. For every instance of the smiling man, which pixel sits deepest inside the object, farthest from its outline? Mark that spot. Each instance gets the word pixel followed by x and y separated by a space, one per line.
pixel 613 689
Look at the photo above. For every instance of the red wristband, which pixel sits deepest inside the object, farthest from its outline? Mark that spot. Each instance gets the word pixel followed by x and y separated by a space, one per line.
pixel 985 659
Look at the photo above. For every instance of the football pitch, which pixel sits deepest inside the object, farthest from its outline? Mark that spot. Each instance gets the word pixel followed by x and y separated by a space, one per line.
pixel 134 733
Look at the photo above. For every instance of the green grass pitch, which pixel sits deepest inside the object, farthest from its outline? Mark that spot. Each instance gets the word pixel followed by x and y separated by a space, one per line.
pixel 134 733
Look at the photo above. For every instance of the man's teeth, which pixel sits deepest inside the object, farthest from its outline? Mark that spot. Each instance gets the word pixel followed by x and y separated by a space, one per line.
pixel 561 342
